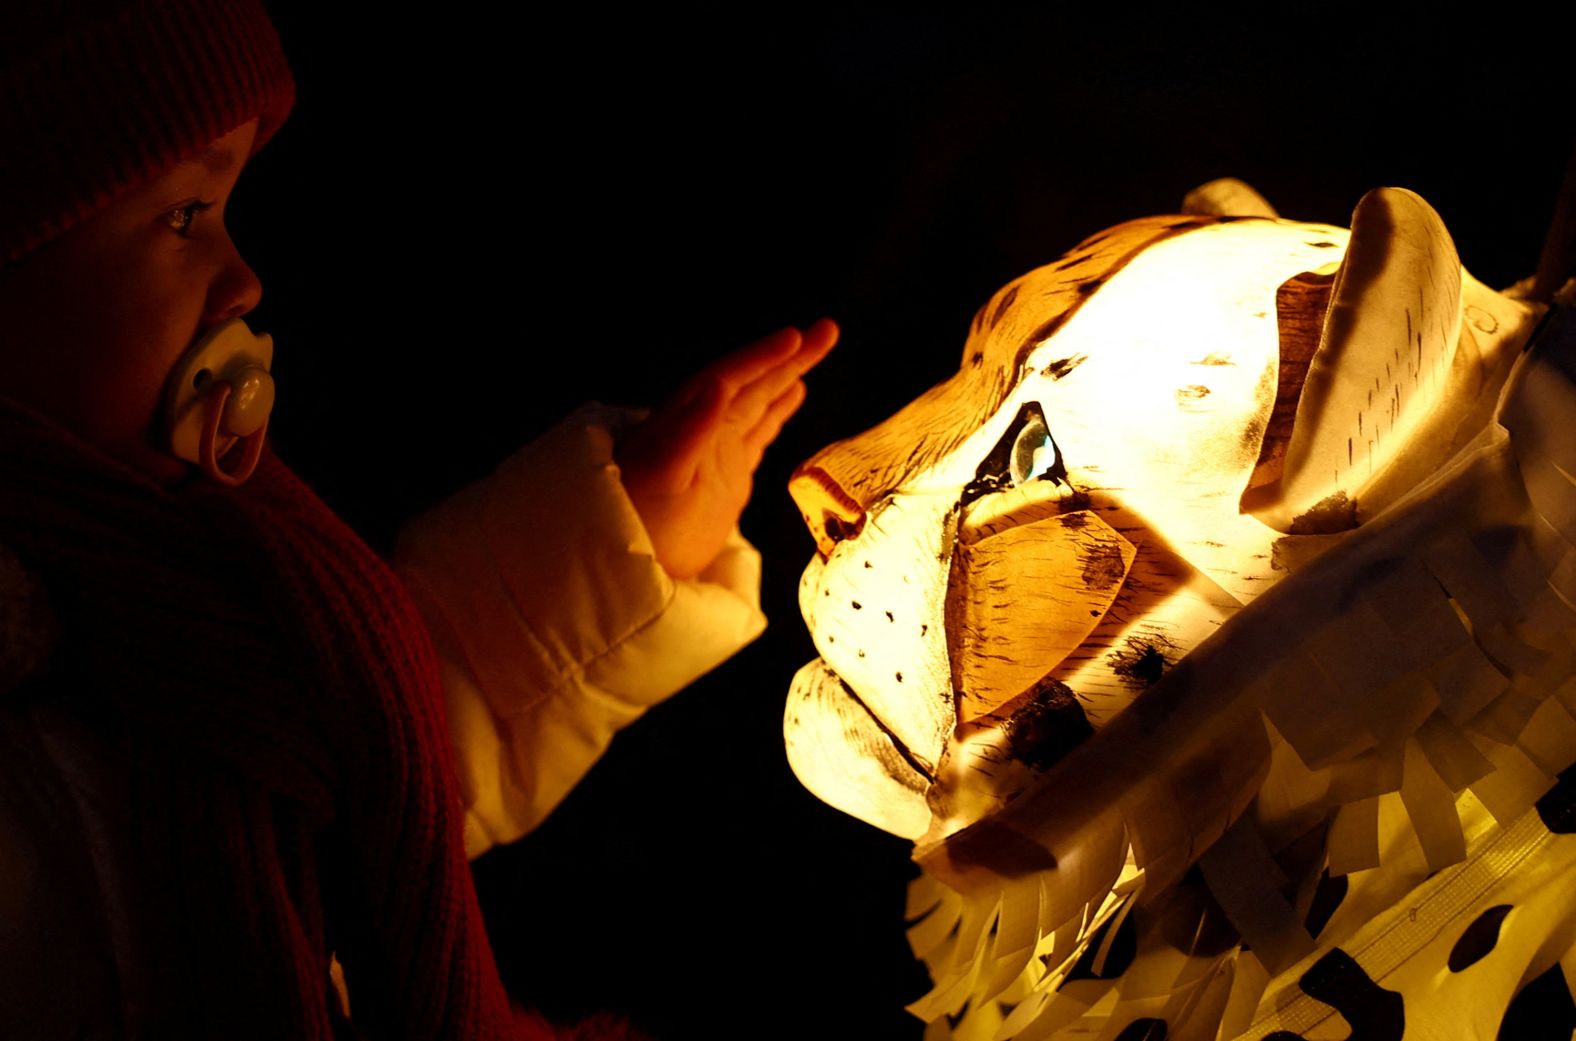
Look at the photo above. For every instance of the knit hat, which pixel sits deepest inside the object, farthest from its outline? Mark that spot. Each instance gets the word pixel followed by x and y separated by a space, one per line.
pixel 100 96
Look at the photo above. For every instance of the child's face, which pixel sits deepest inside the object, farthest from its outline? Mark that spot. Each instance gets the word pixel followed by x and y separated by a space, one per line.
pixel 93 322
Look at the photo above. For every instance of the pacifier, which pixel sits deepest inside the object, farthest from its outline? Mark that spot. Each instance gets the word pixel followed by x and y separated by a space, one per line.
pixel 219 395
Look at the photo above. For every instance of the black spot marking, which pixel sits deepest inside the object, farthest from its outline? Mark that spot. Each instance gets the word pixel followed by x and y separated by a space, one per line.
pixel 1192 392
pixel 1074 262
pixel 1062 366
pixel 1557 808
pixel 831 639
pixel 1103 566
pixel 1087 288
pixel 868 565
pixel 1540 1011
pixel 857 606
pixel 1322 245
pixel 1050 724
pixel 1215 359
pixel 1478 939
pixel 1143 662
pixel 861 652
pixel 899 676
pixel 924 629
pixel 976 358
pixel 889 617
pixel 1375 1014
pixel 1124 945
pixel 1146 1029
pixel 1326 898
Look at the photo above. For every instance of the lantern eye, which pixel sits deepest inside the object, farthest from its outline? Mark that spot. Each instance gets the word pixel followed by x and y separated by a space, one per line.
pixel 1034 453
pixel 1026 452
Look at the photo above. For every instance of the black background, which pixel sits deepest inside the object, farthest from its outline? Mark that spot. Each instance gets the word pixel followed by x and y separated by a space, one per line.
pixel 469 225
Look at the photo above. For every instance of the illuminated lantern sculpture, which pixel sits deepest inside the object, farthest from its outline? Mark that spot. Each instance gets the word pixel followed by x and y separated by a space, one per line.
pixel 1210 634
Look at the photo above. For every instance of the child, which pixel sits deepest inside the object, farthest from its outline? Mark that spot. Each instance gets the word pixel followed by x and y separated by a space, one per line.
pixel 226 724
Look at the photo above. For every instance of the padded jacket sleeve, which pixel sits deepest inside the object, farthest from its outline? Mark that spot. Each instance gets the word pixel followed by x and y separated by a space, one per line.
pixel 554 624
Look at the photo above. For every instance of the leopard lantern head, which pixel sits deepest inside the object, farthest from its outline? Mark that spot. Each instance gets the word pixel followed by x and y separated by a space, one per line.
pixel 1135 440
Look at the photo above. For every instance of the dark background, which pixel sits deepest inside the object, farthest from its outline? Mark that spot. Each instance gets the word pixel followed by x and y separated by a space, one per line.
pixel 468 227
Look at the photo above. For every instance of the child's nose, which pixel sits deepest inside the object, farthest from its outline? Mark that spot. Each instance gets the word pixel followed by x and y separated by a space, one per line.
pixel 236 291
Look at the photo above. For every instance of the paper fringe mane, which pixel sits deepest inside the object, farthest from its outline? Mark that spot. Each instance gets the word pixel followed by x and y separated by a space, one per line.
pixel 1432 653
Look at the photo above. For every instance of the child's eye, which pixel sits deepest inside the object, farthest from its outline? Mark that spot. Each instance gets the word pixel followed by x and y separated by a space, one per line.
pixel 182 218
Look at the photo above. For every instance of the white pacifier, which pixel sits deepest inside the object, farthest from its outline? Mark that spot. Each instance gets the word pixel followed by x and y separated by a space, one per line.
pixel 220 393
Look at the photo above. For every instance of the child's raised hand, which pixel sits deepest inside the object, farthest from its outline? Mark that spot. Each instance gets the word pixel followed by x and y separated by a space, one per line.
pixel 688 466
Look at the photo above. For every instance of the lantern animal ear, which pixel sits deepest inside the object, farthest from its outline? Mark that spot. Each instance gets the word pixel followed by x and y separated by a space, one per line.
pixel 1382 366
pixel 1227 197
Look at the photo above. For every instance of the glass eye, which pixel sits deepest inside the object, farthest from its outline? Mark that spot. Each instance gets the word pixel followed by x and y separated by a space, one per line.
pixel 1026 452
pixel 1034 454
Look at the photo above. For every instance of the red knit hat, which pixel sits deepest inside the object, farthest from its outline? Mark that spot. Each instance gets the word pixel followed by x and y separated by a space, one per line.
pixel 100 96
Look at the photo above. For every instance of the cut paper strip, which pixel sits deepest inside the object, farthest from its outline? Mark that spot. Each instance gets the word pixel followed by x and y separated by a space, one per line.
pixel 1552 496
pixel 948 997
pixel 1471 580
pixel 1431 806
pixel 1064 940
pixel 1392 714
pixel 1565 694
pixel 1017 932
pixel 1510 653
pixel 1549 739
pixel 1563 579
pixel 1354 837
pixel 1517 563
pixel 1346 652
pixel 1414 608
pixel 1248 980
pixel 1515 784
pixel 1245 880
pixel 974 931
pixel 1538 409
pixel 927 935
pixel 925 893
pixel 1296 697
pixel 1467 683
pixel 1453 757
pixel 1506 717
pixel 1072 1001
pixel 1365 777
pixel 1550 623
pixel 1024 1014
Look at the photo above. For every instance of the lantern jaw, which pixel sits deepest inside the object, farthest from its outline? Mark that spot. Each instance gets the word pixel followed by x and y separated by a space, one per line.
pixel 1126 459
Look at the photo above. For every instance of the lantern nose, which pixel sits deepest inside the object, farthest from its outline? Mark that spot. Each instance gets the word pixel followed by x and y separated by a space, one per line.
pixel 830 513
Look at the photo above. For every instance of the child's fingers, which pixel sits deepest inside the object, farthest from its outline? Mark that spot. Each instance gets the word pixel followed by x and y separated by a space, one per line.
pixel 748 364
pixel 670 448
pixel 771 422
pixel 752 401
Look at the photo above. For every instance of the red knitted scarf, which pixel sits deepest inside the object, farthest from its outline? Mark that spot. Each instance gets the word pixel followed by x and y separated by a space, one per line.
pixel 273 697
